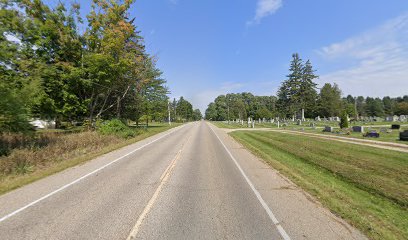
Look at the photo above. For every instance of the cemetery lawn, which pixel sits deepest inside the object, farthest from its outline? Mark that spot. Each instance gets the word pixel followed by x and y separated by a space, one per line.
pixel 366 186
pixel 229 126
pixel 221 124
pixel 384 137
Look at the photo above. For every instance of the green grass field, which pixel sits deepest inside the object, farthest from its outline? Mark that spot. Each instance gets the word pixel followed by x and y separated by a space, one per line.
pixel 364 185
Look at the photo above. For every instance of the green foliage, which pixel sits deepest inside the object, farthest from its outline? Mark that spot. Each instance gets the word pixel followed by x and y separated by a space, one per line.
pixel 115 127
pixel 344 123
pixel 298 91
pixel 13 112
pixel 184 110
pixel 329 102
pixel 102 73
pixel 241 106
pixel 402 108
pixel 197 115
pixel 374 107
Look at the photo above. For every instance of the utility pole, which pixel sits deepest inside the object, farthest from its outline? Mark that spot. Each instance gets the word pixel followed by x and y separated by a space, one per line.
pixel 168 108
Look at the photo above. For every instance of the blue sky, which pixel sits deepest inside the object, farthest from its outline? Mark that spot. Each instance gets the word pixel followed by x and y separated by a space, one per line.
pixel 212 47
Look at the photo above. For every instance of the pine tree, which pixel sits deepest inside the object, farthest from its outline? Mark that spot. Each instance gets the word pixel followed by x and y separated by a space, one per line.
pixel 289 93
pixel 308 94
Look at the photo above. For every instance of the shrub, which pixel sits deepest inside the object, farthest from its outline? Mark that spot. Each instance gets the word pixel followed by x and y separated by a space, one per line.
pixel 344 121
pixel 116 127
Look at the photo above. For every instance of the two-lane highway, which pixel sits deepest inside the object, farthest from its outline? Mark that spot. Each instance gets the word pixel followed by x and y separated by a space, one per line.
pixel 192 182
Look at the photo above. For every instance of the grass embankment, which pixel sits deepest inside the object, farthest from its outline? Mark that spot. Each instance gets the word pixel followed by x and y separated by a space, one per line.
pixel 51 152
pixel 366 186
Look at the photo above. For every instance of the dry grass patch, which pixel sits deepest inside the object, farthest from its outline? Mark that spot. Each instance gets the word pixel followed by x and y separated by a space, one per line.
pixel 30 158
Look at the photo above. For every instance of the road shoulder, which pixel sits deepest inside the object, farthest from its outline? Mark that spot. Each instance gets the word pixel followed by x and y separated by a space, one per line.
pixel 300 214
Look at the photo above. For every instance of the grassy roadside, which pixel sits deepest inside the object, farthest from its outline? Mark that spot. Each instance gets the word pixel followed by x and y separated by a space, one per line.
pixel 366 186
pixel 73 149
pixel 229 126
pixel 392 136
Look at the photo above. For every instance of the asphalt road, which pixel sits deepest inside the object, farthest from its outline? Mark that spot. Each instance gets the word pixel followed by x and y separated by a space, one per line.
pixel 191 182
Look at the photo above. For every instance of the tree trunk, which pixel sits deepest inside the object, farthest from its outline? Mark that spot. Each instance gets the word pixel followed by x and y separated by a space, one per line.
pixel 118 108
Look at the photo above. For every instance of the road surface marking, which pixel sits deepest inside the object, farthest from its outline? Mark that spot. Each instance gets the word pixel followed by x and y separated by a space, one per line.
pixel 85 176
pixel 257 194
pixel 164 178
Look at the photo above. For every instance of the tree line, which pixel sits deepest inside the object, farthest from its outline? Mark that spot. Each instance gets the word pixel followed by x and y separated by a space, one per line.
pixel 299 91
pixel 49 69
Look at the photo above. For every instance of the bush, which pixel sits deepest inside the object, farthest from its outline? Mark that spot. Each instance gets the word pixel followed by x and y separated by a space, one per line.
pixel 344 121
pixel 115 127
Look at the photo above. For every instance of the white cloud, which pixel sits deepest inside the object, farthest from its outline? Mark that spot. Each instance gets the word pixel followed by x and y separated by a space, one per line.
pixel 379 60
pixel 265 8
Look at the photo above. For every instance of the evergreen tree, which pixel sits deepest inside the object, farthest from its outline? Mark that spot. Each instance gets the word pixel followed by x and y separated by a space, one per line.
pixel 307 93
pixel 289 93
pixel 329 101
pixel 298 91
pixel 389 105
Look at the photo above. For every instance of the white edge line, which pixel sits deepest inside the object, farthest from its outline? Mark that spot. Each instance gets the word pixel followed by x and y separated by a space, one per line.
pixel 257 194
pixel 85 176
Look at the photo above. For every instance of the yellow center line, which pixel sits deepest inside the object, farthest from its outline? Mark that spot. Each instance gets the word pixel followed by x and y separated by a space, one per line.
pixel 163 180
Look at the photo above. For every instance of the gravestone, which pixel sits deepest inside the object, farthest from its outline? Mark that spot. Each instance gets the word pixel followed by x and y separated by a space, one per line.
pixel 318 118
pixel 395 126
pixel 328 129
pixel 253 124
pixel 402 118
pixel 358 129
pixel 373 134
pixel 388 118
pixel 404 135
pixel 278 123
pixel 299 122
pixel 383 130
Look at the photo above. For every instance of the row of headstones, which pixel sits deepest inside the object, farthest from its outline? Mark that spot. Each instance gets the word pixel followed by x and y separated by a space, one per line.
pixel 360 129
pixel 330 119
pixel 395 118
pixel 403 136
